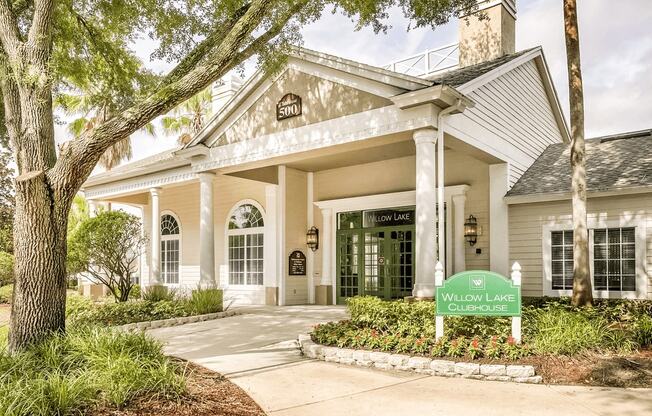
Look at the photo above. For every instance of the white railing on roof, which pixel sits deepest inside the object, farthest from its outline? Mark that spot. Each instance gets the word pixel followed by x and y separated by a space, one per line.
pixel 429 62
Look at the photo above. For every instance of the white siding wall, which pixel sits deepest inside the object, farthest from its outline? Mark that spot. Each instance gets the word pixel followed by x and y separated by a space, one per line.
pixel 526 224
pixel 513 116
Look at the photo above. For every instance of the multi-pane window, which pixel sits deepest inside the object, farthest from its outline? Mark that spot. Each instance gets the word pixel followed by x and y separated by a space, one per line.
pixel 170 246
pixel 614 259
pixel 245 246
pixel 562 260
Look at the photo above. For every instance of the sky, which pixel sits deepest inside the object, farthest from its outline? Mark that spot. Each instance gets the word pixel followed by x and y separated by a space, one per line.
pixel 615 43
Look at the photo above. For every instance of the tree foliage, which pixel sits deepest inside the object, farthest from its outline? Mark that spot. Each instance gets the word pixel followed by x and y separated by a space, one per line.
pixel 108 248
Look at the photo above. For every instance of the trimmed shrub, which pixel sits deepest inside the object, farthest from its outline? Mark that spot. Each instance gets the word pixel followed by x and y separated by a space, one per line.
pixel 203 301
pixel 121 313
pixel 6 268
pixel 6 293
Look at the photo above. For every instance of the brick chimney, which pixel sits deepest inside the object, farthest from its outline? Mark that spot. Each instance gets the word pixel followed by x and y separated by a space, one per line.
pixel 488 33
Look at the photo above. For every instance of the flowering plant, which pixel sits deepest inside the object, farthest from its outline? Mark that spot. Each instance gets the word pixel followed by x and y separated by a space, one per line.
pixel 474 349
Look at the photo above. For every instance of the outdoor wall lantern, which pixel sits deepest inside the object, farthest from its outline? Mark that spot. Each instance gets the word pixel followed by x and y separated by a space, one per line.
pixel 471 230
pixel 312 238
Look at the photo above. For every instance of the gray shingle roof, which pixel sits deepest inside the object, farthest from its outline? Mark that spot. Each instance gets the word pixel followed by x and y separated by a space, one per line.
pixel 612 162
pixel 461 76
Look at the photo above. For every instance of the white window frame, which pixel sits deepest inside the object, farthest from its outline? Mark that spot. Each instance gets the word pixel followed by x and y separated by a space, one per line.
pixel 243 231
pixel 640 241
pixel 168 238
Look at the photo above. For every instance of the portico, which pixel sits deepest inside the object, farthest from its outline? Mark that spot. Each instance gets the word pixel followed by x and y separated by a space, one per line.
pixel 387 167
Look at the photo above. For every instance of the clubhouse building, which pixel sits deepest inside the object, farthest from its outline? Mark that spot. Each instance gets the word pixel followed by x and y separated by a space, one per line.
pixel 335 178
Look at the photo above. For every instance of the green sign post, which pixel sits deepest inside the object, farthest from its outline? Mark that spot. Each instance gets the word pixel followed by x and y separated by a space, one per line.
pixel 478 293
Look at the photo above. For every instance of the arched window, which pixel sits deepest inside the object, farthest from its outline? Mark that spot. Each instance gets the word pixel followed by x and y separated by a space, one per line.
pixel 245 235
pixel 170 249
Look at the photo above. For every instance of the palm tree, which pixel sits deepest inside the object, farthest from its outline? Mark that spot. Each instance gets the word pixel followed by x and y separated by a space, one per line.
pixel 90 116
pixel 582 291
pixel 188 118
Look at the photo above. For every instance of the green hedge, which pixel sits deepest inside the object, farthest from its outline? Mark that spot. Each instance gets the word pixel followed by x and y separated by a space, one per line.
pixel 550 326
pixel 6 268
pixel 5 293
pixel 81 310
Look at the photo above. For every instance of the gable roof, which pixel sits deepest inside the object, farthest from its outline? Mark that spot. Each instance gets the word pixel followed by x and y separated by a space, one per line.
pixel 461 76
pixel 614 162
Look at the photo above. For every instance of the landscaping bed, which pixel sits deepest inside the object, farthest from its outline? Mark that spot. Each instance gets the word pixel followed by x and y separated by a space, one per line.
pixel 603 345
pixel 102 371
pixel 207 394
pixel 153 306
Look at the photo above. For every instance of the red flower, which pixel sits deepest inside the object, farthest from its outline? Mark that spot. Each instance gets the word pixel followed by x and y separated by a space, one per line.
pixel 511 341
pixel 475 343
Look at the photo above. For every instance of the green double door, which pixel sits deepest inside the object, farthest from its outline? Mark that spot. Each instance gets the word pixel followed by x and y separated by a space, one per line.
pixel 375 261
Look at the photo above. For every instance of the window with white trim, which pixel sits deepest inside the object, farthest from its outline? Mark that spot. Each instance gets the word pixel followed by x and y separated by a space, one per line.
pixel 561 247
pixel 614 259
pixel 170 249
pixel 245 246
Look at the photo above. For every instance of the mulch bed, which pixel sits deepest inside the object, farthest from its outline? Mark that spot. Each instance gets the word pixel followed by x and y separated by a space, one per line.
pixel 596 370
pixel 209 394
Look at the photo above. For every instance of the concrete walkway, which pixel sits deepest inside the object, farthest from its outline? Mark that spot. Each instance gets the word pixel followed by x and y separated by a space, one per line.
pixel 257 352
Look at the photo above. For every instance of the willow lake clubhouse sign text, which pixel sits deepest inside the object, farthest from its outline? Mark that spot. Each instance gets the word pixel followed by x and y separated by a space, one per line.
pixel 478 292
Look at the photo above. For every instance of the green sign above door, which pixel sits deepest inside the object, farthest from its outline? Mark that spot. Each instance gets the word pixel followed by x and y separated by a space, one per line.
pixel 480 293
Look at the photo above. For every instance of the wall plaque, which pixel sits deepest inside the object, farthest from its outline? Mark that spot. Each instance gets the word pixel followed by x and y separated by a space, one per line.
pixel 297 265
pixel 288 106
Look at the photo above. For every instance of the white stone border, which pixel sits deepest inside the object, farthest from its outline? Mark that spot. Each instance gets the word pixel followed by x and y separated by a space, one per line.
pixel 421 365
pixel 182 320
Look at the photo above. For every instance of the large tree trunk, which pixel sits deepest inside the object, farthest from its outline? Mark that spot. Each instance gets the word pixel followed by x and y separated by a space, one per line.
pixel 582 291
pixel 38 306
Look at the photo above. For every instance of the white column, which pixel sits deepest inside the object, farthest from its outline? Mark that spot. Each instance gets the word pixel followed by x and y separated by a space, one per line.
pixel 155 236
pixel 270 246
pixel 459 242
pixel 325 245
pixel 92 208
pixel 310 219
pixel 498 219
pixel 426 213
pixel 281 264
pixel 206 231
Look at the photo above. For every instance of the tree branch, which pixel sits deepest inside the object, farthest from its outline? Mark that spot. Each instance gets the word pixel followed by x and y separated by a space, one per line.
pixel 9 33
pixel 40 32
pixel 79 158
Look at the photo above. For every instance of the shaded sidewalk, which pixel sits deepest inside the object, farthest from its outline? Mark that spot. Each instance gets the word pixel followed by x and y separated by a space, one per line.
pixel 257 352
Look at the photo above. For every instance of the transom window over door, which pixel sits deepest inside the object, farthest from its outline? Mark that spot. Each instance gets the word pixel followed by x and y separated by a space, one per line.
pixel 245 236
pixel 170 249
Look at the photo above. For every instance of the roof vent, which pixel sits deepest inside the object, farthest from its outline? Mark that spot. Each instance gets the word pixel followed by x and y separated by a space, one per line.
pixel 630 135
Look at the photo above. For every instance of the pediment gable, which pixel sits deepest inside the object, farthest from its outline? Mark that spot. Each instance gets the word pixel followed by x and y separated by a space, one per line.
pixel 321 99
